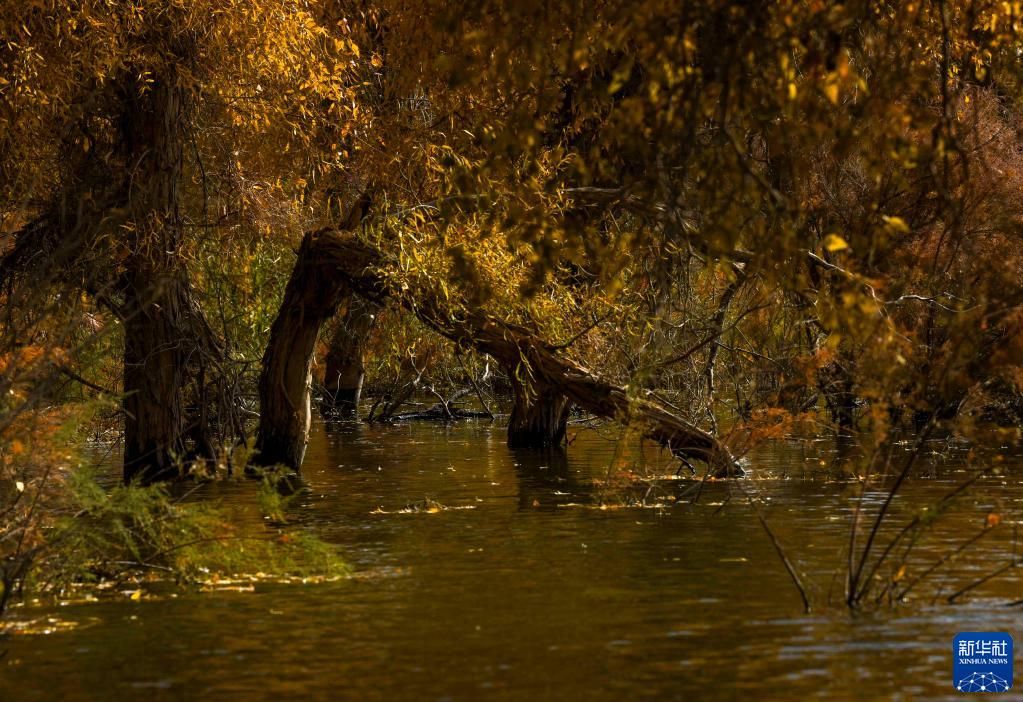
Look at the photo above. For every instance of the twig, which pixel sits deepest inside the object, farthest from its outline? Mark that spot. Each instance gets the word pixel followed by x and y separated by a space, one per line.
pixel 854 594
pixel 475 385
pixel 87 383
pixel 977 583
pixel 944 559
pixel 781 552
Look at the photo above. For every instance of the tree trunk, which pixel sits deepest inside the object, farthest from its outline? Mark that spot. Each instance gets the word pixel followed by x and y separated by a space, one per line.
pixel 129 215
pixel 154 285
pixel 153 377
pixel 345 367
pixel 512 345
pixel 285 382
pixel 539 416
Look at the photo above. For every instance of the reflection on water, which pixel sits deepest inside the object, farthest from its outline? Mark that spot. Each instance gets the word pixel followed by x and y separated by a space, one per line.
pixel 523 594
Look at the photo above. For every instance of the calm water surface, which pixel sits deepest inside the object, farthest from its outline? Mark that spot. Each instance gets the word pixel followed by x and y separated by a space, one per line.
pixel 523 591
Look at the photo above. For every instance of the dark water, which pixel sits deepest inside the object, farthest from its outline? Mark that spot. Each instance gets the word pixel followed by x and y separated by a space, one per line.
pixel 519 595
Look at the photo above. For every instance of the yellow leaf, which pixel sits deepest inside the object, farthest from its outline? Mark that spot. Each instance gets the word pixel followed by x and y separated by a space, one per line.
pixel 20 486
pixel 831 91
pixel 833 242
pixel 17 447
pixel 897 224
pixel 900 574
pixel 993 519
pixel 137 595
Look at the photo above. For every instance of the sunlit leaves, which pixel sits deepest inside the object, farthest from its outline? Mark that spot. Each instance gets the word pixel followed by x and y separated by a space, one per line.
pixel 834 242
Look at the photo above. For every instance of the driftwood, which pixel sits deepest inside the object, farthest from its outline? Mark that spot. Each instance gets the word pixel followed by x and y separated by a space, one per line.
pixel 359 265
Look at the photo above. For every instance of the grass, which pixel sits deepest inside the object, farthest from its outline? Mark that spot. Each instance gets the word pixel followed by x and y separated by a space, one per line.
pixel 98 539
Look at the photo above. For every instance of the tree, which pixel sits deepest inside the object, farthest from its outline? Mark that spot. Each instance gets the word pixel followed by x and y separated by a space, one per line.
pixel 108 98
pixel 285 383
pixel 345 369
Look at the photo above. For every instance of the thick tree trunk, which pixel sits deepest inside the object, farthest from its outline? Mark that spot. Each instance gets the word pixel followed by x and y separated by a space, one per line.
pixel 345 363
pixel 155 286
pixel 285 382
pixel 154 366
pixel 511 345
pixel 539 416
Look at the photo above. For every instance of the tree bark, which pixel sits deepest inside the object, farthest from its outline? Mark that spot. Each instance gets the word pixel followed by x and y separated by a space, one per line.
pixel 114 230
pixel 345 362
pixel 154 285
pixel 511 345
pixel 311 297
pixel 285 383
pixel 539 416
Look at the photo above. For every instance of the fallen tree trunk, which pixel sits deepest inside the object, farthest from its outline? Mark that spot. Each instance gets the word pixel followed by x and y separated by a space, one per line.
pixel 444 411
pixel 514 346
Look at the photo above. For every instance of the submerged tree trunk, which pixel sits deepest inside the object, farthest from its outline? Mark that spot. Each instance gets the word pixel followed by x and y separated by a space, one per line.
pixel 345 363
pixel 539 416
pixel 285 383
pixel 311 298
pixel 512 345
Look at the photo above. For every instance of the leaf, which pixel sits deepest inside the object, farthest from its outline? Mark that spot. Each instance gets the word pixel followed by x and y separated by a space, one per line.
pixel 993 520
pixel 831 91
pixel 833 242
pixel 137 595
pixel 19 486
pixel 900 574
pixel 17 447
pixel 897 224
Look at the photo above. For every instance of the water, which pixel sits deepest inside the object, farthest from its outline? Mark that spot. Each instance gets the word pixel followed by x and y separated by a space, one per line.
pixel 521 590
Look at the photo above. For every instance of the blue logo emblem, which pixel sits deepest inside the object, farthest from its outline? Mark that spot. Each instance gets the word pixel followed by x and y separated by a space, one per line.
pixel 982 661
